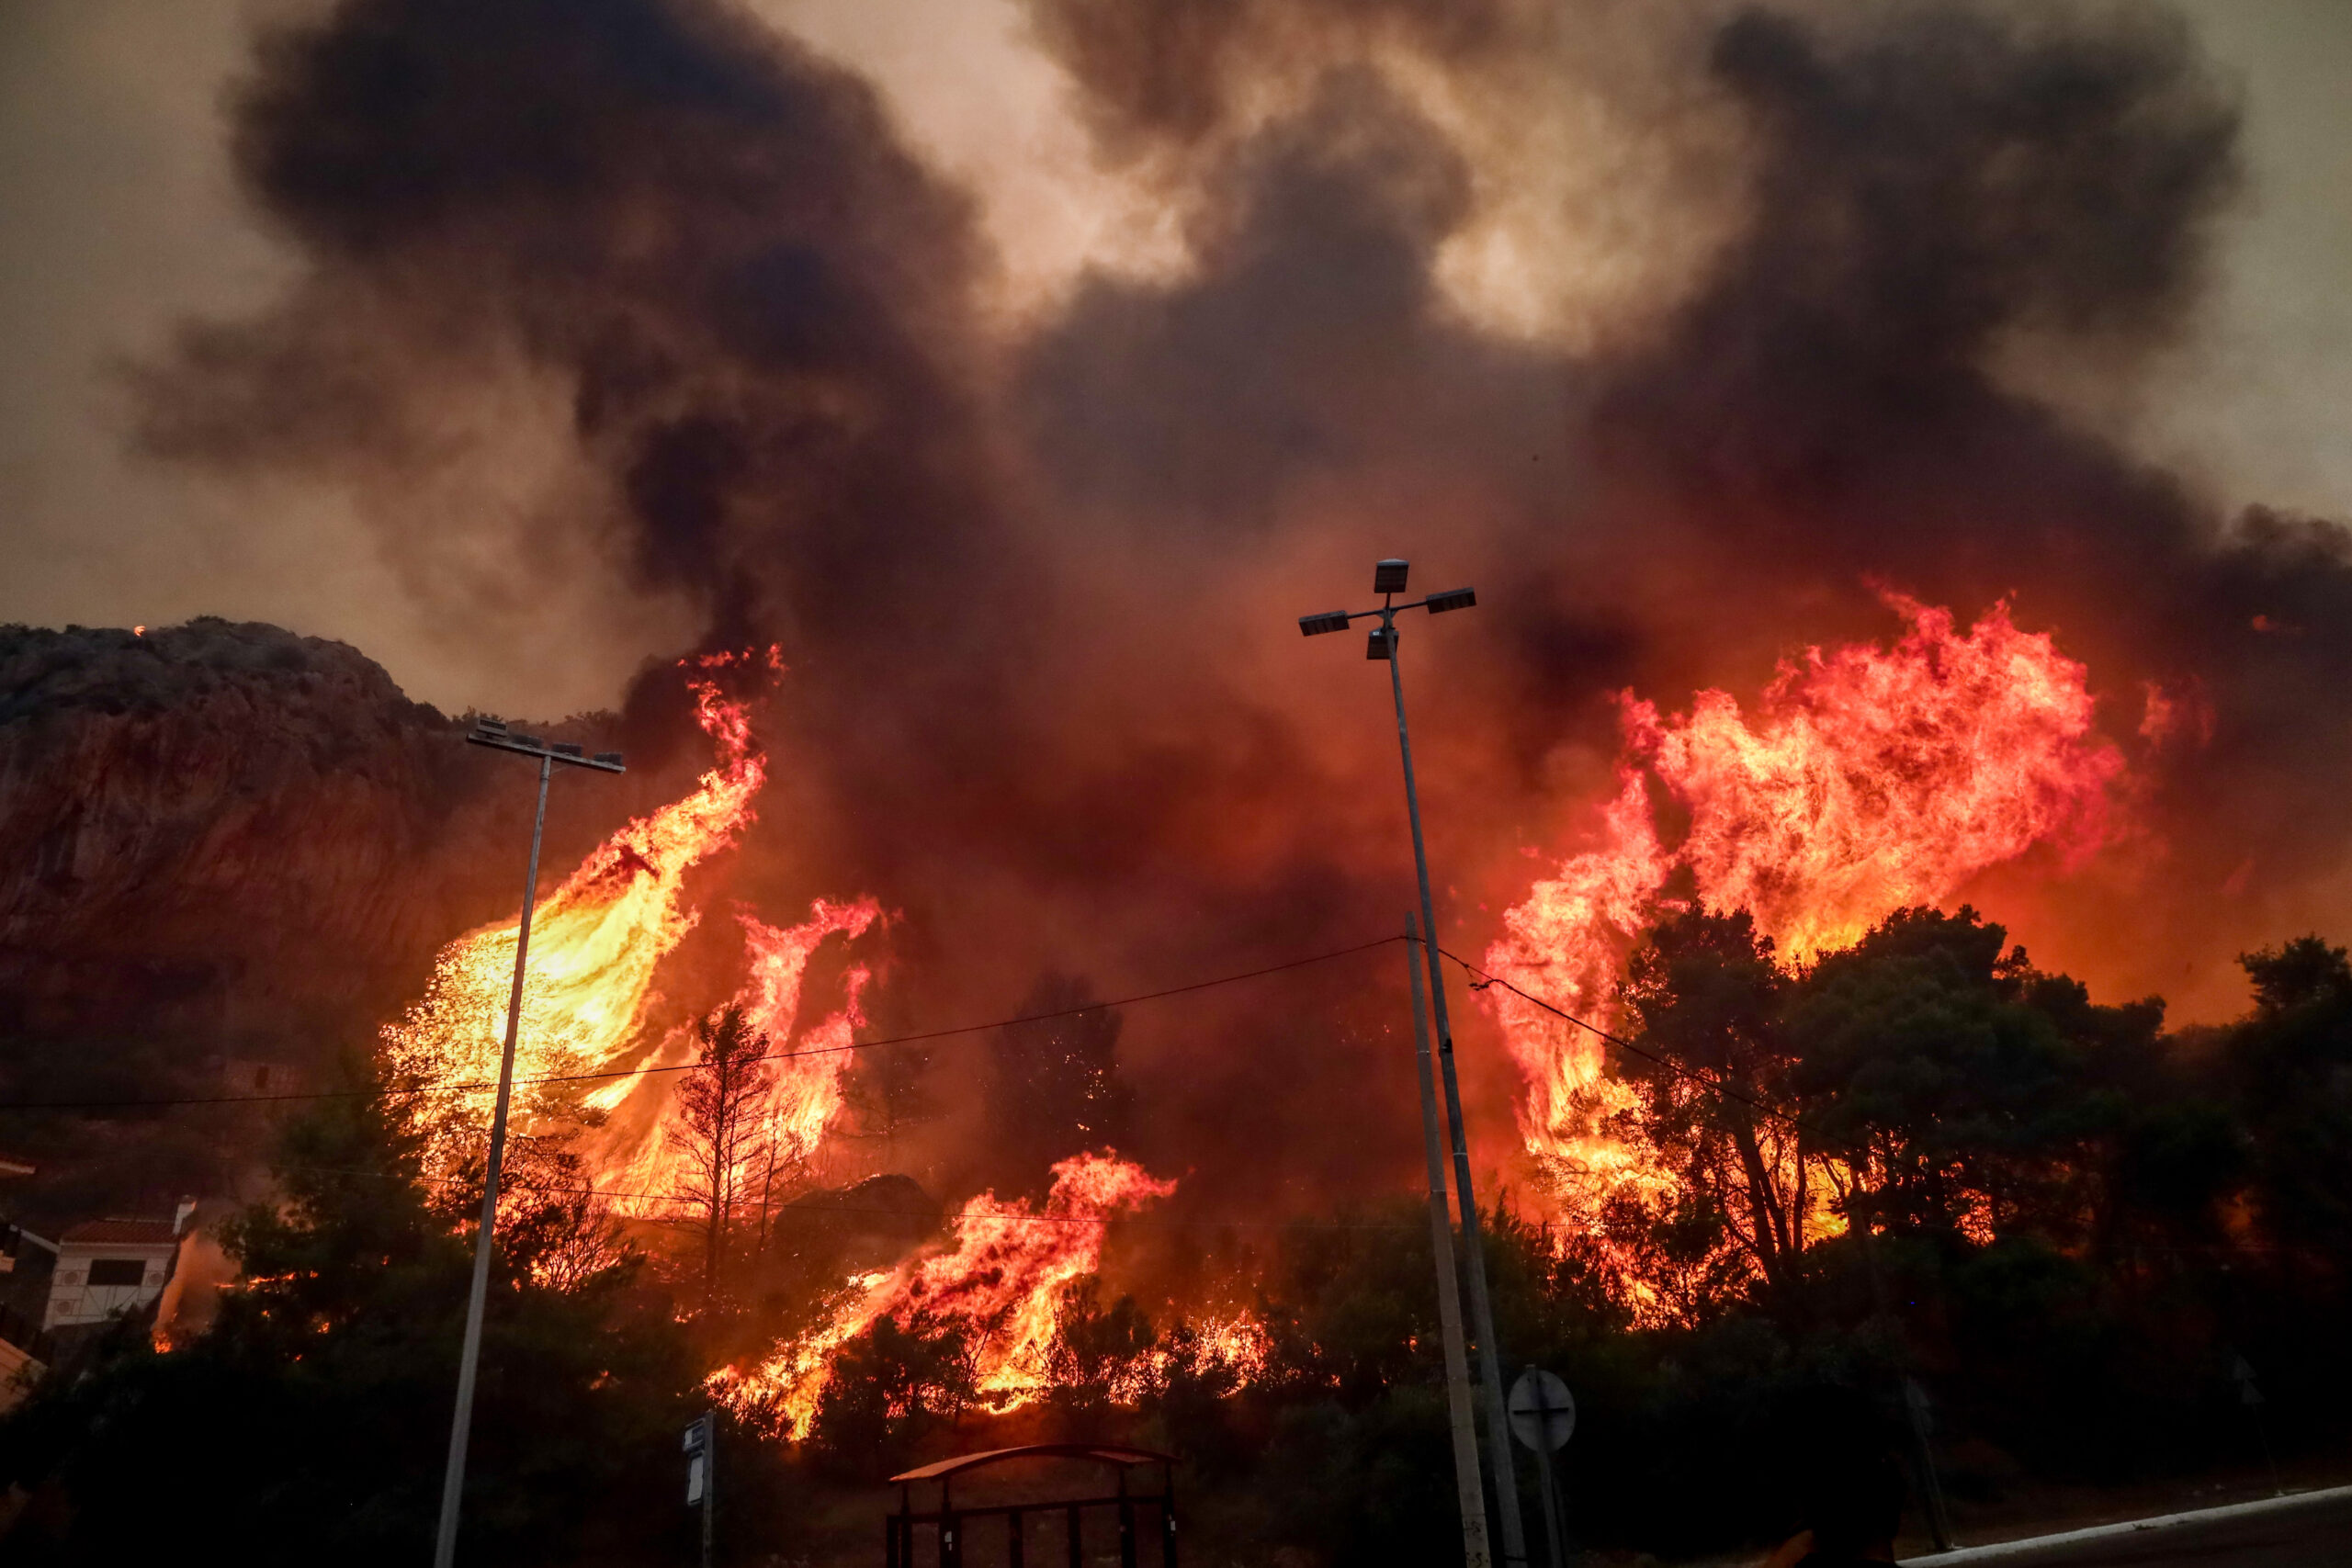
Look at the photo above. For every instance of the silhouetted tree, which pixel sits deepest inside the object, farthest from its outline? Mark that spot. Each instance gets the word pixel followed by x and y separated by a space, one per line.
pixel 1054 1087
pixel 888 1092
pixel 308 1423
pixel 2291 1064
pixel 1096 1356
pixel 1969 1077
pixel 888 1387
pixel 1705 993
pixel 721 1129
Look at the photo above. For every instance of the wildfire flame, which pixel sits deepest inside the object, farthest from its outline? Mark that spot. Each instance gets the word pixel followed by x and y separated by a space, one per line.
pixel 596 943
pixel 805 1094
pixel 1002 1276
pixel 1871 778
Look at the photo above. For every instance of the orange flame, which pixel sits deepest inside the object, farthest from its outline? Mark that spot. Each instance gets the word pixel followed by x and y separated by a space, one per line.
pixel 1873 778
pixel 596 942
pixel 805 1094
pixel 1003 1278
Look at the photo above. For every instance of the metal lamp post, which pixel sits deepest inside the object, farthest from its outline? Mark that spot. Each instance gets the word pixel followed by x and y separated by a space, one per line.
pixel 493 733
pixel 1388 581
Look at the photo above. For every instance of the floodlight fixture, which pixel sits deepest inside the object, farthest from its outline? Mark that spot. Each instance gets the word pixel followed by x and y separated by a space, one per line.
pixel 568 748
pixel 610 759
pixel 1388 578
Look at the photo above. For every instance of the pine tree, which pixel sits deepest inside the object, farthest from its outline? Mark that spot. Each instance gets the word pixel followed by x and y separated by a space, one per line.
pixel 721 1128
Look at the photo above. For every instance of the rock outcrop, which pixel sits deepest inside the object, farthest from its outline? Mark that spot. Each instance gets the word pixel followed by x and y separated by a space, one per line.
pixel 227 832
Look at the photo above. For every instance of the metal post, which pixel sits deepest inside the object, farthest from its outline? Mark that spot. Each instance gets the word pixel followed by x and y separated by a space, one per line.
pixel 1481 1307
pixel 1077 1549
pixel 1168 1515
pixel 1553 1531
pixel 709 1483
pixel 453 1480
pixel 1013 1538
pixel 1470 1492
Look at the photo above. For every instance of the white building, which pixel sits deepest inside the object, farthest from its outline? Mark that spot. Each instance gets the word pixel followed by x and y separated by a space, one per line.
pixel 104 1266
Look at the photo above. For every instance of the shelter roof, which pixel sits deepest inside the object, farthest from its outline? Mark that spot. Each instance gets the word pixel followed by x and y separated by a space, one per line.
pixel 1101 1453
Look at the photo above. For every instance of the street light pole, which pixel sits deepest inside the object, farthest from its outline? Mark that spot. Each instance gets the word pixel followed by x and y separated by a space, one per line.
pixel 1470 1489
pixel 494 734
pixel 1388 581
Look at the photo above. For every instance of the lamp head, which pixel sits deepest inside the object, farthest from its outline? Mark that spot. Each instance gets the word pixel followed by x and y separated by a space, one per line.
pixel 1388 576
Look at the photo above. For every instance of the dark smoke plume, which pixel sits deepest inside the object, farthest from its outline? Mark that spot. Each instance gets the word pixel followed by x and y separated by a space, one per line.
pixel 1038 593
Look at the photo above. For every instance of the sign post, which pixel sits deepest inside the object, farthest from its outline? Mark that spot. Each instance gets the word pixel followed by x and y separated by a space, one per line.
pixel 1543 1417
pixel 702 1445
pixel 2250 1396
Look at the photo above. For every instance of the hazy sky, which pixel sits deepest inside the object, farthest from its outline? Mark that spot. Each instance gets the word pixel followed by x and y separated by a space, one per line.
pixel 122 219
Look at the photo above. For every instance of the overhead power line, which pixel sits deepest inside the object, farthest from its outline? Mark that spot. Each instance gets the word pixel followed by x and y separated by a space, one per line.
pixel 479 1085
pixel 818 1212
pixel 1487 978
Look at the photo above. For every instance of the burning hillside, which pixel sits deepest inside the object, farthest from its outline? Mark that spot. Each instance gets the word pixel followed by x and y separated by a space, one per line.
pixel 999 1285
pixel 1775 370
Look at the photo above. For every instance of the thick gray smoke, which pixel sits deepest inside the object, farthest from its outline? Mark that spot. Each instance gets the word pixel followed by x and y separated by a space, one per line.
pixel 1046 699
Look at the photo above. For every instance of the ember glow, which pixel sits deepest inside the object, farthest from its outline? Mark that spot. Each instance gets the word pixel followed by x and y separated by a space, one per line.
pixel 1002 1277
pixel 1871 778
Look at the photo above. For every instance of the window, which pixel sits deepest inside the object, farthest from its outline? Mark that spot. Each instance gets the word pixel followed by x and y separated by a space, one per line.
pixel 117 1270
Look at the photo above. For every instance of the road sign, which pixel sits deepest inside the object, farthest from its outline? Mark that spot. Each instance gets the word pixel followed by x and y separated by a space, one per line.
pixel 2241 1373
pixel 1543 1411
pixel 698 1446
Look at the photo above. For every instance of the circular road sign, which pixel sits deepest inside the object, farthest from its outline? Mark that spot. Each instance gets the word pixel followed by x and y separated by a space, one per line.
pixel 1543 1411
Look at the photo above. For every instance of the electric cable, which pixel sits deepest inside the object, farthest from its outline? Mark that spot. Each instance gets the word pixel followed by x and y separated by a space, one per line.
pixel 474 1086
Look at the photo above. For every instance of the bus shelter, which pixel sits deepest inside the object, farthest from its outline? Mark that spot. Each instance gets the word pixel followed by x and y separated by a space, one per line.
pixel 1032 1523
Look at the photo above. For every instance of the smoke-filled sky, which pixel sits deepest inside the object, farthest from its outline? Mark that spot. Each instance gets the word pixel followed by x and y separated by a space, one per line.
pixel 1021 370
pixel 125 220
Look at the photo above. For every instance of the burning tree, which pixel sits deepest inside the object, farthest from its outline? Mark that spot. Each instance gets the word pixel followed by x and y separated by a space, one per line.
pixel 721 1131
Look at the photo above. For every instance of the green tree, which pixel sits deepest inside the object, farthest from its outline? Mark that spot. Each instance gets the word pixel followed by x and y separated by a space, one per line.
pixel 1705 992
pixel 1097 1356
pixel 1969 1077
pixel 2291 1062
pixel 309 1423
pixel 888 1388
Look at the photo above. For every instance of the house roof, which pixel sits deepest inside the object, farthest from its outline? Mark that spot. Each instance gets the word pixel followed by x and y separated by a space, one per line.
pixel 122 1232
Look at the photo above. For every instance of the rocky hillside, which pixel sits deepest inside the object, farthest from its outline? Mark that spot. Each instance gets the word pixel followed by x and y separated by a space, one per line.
pixel 232 836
